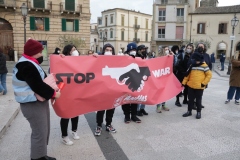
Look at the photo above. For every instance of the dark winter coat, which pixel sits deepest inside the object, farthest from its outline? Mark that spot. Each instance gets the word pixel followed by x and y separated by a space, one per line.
pixel 29 73
pixel 235 73
pixel 182 65
pixel 222 57
pixel 3 66
pixel 212 58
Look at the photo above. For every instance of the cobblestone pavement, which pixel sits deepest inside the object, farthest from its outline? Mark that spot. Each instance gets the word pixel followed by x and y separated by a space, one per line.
pixel 160 136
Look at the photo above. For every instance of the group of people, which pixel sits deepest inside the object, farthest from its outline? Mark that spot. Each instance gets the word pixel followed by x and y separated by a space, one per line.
pixel 191 67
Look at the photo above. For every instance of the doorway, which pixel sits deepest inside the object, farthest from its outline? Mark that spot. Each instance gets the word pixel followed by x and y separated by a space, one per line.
pixel 6 36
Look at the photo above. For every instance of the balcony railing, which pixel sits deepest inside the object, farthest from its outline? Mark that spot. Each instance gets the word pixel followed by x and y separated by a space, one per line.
pixel 161 36
pixel 47 7
pixel 180 18
pixel 165 2
pixel 136 26
pixel 161 19
pixel 137 40
pixel 77 9
pixel 8 4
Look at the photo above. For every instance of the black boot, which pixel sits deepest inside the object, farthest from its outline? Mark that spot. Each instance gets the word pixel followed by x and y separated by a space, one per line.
pixel 143 112
pixel 45 158
pixel 127 119
pixel 139 113
pixel 185 102
pixel 188 113
pixel 177 103
pixel 134 118
pixel 198 116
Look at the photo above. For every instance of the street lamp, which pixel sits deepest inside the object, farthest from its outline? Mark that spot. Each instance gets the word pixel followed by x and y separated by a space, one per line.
pixel 104 39
pixel 234 23
pixel 24 10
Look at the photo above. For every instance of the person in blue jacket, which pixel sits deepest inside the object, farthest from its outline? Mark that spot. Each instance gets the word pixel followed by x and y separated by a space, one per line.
pixel 222 60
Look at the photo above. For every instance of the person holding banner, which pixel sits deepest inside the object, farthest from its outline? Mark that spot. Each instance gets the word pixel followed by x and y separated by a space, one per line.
pixel 165 52
pixel 142 53
pixel 131 109
pixel 199 75
pixel 69 50
pixel 108 49
pixel 28 81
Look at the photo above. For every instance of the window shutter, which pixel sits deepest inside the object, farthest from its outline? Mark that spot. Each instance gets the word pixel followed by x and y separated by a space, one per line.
pixel 63 24
pixel 76 25
pixel 39 3
pixel 198 28
pixel 219 28
pixel 46 24
pixel 70 5
pixel 225 28
pixel 203 26
pixel 32 24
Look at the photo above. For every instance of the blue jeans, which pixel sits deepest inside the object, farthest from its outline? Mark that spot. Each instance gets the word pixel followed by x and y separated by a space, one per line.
pixel 222 65
pixel 231 92
pixel 141 106
pixel 3 85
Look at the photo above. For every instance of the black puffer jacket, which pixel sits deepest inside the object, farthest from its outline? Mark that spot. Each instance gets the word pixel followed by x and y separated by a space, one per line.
pixel 3 66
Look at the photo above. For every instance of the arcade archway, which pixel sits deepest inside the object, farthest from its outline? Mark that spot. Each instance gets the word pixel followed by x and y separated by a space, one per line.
pixel 6 36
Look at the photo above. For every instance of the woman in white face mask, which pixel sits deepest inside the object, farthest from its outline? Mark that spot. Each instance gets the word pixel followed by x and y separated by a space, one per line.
pixel 74 51
pixel 69 50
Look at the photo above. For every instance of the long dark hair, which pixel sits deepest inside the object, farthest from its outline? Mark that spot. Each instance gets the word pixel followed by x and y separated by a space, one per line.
pixel 67 49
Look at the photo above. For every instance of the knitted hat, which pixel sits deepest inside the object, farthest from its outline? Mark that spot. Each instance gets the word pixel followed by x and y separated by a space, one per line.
pixel 32 47
pixel 197 57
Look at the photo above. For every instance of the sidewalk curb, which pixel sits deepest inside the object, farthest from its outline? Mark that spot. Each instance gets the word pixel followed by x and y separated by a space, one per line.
pixel 9 122
pixel 221 74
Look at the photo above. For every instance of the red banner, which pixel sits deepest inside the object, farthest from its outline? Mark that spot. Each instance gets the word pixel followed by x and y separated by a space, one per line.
pixel 105 82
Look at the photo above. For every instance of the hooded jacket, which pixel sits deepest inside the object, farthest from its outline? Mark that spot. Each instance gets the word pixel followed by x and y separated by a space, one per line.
pixel 108 45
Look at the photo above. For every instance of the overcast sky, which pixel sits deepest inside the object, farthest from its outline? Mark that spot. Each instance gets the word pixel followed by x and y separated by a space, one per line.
pixel 144 6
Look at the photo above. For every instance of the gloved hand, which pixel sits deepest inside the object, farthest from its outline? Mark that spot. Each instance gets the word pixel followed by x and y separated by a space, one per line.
pixel 202 85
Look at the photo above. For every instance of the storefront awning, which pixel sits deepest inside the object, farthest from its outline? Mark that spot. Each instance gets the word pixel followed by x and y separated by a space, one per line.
pixel 222 46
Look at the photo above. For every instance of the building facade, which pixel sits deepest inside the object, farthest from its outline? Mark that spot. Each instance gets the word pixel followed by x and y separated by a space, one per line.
pixel 94 37
pixel 54 23
pixel 213 24
pixel 170 22
pixel 120 27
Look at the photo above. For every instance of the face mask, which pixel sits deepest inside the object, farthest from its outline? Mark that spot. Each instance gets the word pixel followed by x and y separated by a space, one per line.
pixel 189 51
pixel 40 59
pixel 133 53
pixel 167 52
pixel 176 52
pixel 75 53
pixel 58 51
pixel 200 49
pixel 108 53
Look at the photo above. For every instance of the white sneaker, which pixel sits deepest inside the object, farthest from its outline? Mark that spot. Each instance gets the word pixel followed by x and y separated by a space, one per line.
pixel 227 101
pixel 75 136
pixel 67 141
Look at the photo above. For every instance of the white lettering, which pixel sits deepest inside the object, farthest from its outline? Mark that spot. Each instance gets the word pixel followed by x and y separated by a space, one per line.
pixel 161 72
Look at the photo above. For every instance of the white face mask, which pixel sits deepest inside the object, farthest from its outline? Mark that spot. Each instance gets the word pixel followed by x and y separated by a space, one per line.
pixel 108 53
pixel 133 53
pixel 75 53
pixel 167 52
pixel 176 52
pixel 58 51
pixel 188 50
